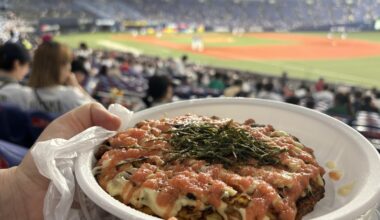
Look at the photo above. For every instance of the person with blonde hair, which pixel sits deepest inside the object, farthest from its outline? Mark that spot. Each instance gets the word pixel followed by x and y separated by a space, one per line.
pixel 55 88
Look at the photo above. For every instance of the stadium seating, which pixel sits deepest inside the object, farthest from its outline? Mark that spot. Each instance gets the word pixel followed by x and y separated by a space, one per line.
pixel 281 15
pixel 187 92
pixel 368 124
pixel 21 127
pixel 287 15
pixel 38 122
pixel 11 154
pixel 131 85
pixel 14 125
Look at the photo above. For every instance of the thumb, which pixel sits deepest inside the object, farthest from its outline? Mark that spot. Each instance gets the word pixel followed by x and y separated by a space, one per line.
pixel 78 120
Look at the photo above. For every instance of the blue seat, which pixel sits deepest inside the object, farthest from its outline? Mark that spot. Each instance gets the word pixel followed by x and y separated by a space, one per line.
pixel 11 153
pixel 21 127
pixel 14 125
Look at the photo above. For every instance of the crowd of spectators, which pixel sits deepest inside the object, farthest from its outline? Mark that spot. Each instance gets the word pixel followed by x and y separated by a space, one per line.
pixel 61 79
pixel 33 10
pixel 282 15
pixel 247 14
pixel 142 81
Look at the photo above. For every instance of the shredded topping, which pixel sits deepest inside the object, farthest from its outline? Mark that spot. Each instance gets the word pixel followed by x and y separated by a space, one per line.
pixel 226 144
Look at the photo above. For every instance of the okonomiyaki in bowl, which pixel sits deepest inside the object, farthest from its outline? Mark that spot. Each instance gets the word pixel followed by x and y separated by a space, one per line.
pixel 232 159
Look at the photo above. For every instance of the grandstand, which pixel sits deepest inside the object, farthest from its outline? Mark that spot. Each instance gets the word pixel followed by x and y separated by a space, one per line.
pixel 250 14
pixel 63 61
pixel 280 15
pixel 309 52
pixel 333 20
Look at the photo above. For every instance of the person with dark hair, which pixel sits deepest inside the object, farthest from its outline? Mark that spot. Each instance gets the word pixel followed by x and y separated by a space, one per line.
pixel 374 90
pixel 14 65
pixel 258 86
pixel 13 36
pixel 103 70
pixel 217 82
pixel 184 59
pixel 320 84
pixel 160 91
pixel 303 85
pixel 307 98
pixel 368 105
pixel 80 71
pixel 310 102
pixel 342 105
pixel 83 46
pixel 268 92
pixel 324 96
pixel 83 50
pixel 293 100
pixel 284 79
pixel 375 94
pixel 290 96
pixel 377 99
pixel 302 90
pixel 356 105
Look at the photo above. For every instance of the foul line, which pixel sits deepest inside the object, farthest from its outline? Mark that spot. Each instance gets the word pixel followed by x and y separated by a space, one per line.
pixel 119 47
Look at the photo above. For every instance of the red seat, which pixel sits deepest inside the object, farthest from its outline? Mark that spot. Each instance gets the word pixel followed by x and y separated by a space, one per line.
pixel 11 154
pixel 3 163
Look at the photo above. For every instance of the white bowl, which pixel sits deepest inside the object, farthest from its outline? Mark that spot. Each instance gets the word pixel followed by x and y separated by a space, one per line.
pixel 331 140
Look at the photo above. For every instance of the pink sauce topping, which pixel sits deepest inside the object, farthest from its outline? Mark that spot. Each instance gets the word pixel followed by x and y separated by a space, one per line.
pixel 207 183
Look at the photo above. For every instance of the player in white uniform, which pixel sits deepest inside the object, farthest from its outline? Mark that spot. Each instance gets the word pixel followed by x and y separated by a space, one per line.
pixel 330 36
pixel 14 65
pixel 197 43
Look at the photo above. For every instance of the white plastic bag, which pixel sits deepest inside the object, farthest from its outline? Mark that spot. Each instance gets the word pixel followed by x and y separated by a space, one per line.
pixel 55 160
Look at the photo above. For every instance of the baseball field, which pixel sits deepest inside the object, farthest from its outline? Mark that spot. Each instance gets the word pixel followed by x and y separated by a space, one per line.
pixel 354 60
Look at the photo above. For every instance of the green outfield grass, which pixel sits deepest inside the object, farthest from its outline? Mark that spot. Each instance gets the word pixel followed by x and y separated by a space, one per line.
pixel 360 71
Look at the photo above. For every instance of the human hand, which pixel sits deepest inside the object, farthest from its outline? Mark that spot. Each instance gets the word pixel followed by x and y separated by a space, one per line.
pixel 26 186
pixel 71 80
